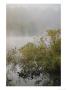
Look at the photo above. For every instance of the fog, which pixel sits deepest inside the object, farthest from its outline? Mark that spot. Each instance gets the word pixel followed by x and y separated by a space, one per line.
pixel 13 42
pixel 27 23
pixel 30 20
pixel 23 22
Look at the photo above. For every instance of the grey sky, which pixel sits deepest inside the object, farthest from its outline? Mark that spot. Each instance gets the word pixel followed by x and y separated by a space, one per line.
pixel 30 20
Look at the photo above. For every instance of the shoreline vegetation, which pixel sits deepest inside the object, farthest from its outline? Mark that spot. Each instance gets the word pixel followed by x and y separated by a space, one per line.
pixel 38 64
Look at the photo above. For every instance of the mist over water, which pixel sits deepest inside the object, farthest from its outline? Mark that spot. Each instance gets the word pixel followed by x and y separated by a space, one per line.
pixel 30 20
pixel 23 22
pixel 27 23
pixel 18 42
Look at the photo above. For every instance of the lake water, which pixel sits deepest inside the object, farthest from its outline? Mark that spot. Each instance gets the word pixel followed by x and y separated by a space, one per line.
pixel 12 75
pixel 18 42
pixel 18 81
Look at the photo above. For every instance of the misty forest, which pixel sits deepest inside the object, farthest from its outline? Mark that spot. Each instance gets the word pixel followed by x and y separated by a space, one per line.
pixel 33 45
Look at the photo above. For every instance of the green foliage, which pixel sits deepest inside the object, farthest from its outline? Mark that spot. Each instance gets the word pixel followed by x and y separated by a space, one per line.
pixel 55 48
pixel 48 58
pixel 11 56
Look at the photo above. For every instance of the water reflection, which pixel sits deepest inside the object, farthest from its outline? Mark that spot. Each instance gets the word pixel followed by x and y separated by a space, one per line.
pixel 14 80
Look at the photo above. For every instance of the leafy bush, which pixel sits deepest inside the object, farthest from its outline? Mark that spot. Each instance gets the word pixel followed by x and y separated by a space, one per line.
pixel 41 58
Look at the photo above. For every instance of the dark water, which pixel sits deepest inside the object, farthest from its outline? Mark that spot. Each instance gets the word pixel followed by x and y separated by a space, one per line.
pixel 12 70
pixel 15 80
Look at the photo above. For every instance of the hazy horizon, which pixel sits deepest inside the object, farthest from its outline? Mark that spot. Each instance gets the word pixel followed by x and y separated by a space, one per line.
pixel 31 19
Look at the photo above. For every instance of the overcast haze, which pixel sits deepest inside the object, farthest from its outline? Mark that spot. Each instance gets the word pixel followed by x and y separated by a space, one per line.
pixel 30 20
